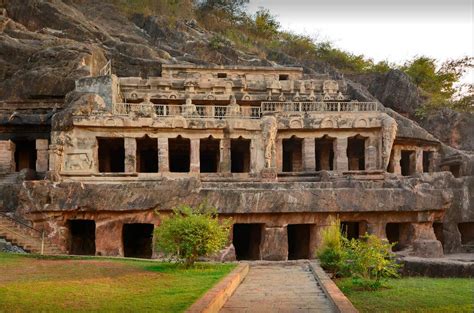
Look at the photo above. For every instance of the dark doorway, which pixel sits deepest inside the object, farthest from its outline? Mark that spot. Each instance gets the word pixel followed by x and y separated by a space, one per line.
pixel 147 155
pixel 298 241
pixel 356 153
pixel 240 155
pixel 439 232
pixel 427 159
pixel 209 155
pixel 350 229
pixel 324 151
pixel 246 240
pixel 82 237
pixel 398 233
pixel 179 154
pixel 111 155
pixel 408 162
pixel 25 154
pixel 292 154
pixel 455 169
pixel 467 233
pixel 137 240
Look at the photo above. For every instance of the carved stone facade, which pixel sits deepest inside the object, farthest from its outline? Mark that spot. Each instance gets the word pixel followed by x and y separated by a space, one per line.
pixel 269 147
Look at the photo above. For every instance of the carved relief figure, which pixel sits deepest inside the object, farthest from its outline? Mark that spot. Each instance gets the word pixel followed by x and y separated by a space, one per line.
pixel 78 162
pixel 389 132
pixel 269 129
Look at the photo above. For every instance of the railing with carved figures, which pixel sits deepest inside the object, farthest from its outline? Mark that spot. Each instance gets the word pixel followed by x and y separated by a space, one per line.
pixel 353 106
pixel 246 112
pixel 197 111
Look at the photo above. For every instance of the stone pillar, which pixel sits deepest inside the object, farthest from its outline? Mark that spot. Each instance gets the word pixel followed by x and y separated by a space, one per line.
pixel 163 155
pixel 370 158
pixel 130 155
pixel 340 153
pixel 107 235
pixel 225 165
pixel 309 155
pixel 397 156
pixel 377 229
pixel 195 165
pixel 313 240
pixel 7 156
pixel 419 160
pixel 279 155
pixel 424 241
pixel 275 244
pixel 41 155
pixel 434 160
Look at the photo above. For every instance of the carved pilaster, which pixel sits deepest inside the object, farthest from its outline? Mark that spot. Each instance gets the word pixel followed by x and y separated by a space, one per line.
pixel 130 155
pixel 195 164
pixel 163 155
pixel 309 157
pixel 342 163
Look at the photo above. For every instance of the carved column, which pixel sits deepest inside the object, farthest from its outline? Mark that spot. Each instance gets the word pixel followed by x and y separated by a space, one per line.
pixel 195 165
pixel 425 243
pixel 377 229
pixel 342 162
pixel 130 155
pixel 419 160
pixel 41 155
pixel 370 158
pixel 309 157
pixel 163 155
pixel 7 156
pixel 275 244
pixel 397 156
pixel 225 156
pixel 279 154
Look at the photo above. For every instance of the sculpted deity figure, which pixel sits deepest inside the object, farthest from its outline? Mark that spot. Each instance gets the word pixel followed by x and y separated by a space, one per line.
pixel 234 108
pixel 269 127
pixel 389 132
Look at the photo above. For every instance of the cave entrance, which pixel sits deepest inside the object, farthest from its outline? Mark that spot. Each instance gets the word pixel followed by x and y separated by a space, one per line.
pixel 111 155
pixel 240 155
pixel 147 155
pixel 298 241
pixel 398 233
pixel 137 240
pixel 209 155
pixel 25 154
pixel 324 152
pixel 246 239
pixel 356 153
pixel 427 159
pixel 82 237
pixel 352 230
pixel 455 169
pixel 179 154
pixel 439 232
pixel 408 162
pixel 467 233
pixel 292 154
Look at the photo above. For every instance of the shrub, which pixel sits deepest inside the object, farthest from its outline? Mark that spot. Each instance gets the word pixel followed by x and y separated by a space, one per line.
pixel 190 233
pixel 368 260
pixel 330 252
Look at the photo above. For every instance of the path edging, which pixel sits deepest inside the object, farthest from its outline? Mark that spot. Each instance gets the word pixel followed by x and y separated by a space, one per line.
pixel 339 300
pixel 213 300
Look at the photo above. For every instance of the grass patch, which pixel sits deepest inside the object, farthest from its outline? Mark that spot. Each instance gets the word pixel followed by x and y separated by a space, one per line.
pixel 39 284
pixel 415 294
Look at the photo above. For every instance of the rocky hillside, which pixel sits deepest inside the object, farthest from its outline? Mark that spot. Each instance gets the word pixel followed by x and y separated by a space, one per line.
pixel 46 45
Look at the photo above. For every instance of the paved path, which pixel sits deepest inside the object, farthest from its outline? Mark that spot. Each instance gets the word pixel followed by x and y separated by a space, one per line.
pixel 279 287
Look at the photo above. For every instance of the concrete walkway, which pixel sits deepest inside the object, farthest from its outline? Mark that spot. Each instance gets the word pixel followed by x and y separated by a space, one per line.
pixel 279 287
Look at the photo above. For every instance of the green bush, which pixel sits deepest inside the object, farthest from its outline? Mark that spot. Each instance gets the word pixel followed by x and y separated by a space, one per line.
pixel 368 260
pixel 190 233
pixel 330 253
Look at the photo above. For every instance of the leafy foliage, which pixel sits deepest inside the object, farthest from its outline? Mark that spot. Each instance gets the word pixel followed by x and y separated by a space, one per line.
pixel 368 260
pixel 190 233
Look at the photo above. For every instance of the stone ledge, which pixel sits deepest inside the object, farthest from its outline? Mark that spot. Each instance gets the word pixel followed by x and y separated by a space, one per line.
pixel 335 295
pixel 214 299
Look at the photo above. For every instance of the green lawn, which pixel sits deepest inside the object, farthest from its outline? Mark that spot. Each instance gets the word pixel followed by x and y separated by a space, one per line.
pixel 29 284
pixel 414 295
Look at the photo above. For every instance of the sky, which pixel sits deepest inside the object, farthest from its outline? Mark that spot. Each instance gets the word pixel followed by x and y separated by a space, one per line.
pixel 393 30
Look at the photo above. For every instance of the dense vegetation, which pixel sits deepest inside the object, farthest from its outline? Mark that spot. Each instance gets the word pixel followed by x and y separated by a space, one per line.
pixel 261 34
pixel 190 233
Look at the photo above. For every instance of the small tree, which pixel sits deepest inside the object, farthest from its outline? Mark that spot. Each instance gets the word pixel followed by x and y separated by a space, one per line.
pixel 190 233
pixel 330 252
